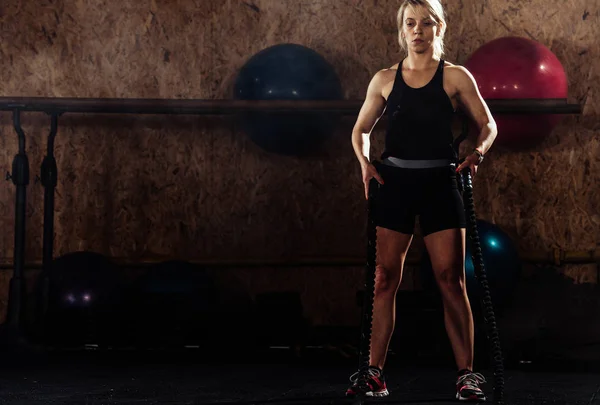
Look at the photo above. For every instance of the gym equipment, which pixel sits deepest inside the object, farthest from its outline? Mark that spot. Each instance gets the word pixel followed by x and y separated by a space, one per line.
pixel 171 305
pixel 466 187
pixel 288 72
pixel 78 295
pixel 502 262
pixel 519 68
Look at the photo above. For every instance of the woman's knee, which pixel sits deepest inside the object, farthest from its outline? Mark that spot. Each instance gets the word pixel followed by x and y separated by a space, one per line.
pixel 387 279
pixel 451 280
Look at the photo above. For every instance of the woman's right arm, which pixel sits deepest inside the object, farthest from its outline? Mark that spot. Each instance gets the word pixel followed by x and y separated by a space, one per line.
pixel 372 109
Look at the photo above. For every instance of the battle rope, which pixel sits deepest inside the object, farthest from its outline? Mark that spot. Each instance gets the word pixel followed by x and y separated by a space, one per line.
pixel 481 275
pixel 367 307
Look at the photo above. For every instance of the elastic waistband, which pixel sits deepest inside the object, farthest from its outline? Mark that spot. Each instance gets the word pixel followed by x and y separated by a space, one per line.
pixel 418 164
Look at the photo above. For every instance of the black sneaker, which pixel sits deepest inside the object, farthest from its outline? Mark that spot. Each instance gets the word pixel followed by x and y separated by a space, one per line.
pixel 467 386
pixel 374 386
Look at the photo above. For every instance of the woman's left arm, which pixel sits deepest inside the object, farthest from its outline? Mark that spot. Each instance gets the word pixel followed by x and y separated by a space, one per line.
pixel 474 105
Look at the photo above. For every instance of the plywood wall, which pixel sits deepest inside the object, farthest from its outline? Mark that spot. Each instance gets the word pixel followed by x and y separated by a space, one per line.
pixel 134 186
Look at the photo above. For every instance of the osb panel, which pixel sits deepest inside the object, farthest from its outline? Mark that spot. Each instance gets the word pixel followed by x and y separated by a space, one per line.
pixel 194 186
pixel 76 48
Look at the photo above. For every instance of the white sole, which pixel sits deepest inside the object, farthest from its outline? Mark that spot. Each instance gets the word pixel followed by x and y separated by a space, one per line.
pixel 469 399
pixel 379 394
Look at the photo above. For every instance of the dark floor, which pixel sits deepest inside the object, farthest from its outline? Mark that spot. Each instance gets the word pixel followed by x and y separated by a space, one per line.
pixel 184 378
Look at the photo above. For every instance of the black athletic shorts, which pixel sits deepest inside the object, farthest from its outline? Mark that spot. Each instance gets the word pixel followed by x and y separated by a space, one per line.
pixel 432 194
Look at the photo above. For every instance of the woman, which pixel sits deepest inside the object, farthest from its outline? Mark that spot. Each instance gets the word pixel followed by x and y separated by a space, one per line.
pixel 418 177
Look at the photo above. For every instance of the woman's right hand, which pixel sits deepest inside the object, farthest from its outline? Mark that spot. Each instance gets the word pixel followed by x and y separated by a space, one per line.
pixel 369 172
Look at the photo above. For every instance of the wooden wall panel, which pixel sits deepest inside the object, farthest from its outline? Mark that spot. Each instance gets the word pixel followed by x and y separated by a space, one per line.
pixel 197 187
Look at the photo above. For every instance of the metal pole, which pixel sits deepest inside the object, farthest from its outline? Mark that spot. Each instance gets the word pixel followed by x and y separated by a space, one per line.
pixel 20 177
pixel 49 178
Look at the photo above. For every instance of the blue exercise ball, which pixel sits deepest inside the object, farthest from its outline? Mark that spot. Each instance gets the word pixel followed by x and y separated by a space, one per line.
pixel 288 72
pixel 501 261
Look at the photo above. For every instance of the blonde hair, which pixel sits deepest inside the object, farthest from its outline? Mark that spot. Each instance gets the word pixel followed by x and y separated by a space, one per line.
pixel 436 10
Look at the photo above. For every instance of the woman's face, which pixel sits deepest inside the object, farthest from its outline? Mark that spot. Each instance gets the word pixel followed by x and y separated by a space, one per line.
pixel 419 29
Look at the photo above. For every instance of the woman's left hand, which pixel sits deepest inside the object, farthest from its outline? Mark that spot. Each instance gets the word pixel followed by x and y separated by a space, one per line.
pixel 470 162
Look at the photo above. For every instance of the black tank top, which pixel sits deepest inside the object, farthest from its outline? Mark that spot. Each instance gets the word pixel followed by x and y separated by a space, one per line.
pixel 419 120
